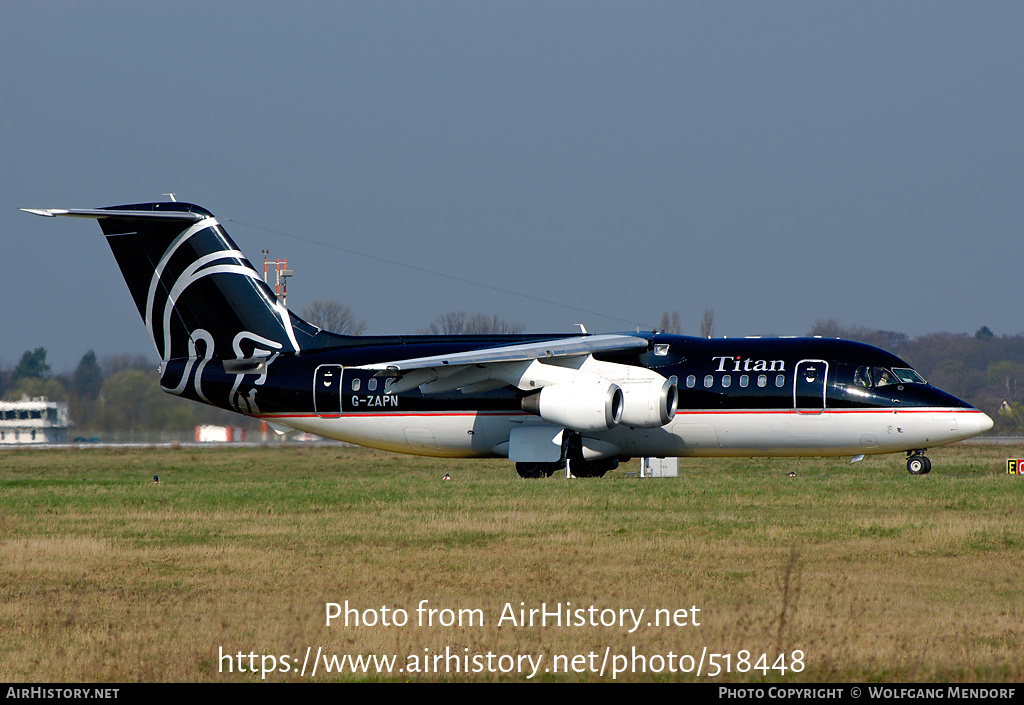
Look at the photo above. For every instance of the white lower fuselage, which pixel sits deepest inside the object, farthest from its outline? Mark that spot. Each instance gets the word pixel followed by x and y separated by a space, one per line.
pixel 692 433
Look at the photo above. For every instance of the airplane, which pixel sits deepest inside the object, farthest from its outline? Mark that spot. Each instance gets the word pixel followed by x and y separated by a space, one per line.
pixel 546 402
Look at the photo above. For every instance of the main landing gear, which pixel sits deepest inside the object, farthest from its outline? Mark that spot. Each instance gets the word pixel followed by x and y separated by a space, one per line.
pixel 572 452
pixel 917 463
pixel 579 467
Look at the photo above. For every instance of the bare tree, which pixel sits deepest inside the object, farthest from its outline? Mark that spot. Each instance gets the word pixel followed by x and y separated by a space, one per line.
pixel 333 316
pixel 707 323
pixel 890 340
pixel 450 323
pixel 828 328
pixel 480 323
pixel 670 323
pixel 462 323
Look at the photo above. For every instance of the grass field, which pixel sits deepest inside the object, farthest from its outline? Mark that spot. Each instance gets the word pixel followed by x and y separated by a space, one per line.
pixel 870 573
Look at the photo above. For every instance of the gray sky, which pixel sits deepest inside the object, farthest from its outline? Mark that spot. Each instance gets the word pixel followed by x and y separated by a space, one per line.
pixel 778 162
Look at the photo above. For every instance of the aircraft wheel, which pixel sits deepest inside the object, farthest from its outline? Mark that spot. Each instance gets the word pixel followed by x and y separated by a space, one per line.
pixel 529 470
pixel 592 468
pixel 535 470
pixel 919 465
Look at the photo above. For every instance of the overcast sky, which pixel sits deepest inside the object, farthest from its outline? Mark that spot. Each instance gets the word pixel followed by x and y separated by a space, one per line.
pixel 777 162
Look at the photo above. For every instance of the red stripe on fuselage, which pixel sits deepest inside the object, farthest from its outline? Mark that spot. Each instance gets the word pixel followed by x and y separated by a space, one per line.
pixel 688 412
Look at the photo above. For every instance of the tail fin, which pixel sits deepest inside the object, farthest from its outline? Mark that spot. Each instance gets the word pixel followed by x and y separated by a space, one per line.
pixel 196 292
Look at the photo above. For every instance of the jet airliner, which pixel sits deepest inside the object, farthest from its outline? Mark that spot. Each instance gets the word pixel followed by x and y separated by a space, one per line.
pixel 544 401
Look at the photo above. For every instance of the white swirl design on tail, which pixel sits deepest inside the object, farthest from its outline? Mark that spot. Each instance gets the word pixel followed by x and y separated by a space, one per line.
pixel 154 283
pixel 234 397
pixel 198 334
pixel 194 272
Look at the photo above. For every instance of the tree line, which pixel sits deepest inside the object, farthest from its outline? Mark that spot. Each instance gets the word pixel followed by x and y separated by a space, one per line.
pixel 115 393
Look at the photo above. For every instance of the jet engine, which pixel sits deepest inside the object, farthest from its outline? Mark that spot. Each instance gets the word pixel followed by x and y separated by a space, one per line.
pixel 578 406
pixel 649 403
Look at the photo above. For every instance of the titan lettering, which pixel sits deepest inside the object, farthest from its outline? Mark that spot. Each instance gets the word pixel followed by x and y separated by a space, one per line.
pixel 748 365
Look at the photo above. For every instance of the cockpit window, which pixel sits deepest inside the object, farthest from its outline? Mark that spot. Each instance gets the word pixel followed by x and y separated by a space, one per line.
pixel 908 376
pixel 882 377
pixel 874 377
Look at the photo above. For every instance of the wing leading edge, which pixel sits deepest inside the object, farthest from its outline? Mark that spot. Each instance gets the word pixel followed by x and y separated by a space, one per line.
pixel 564 347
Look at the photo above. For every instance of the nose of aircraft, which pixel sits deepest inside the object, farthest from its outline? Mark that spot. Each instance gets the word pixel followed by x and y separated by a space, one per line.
pixel 975 424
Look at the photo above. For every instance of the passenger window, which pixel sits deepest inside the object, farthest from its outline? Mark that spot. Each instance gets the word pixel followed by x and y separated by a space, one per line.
pixel 708 381
pixel 372 384
pixel 743 380
pixel 762 380
pixel 690 381
pixel 780 380
pixel 355 385
pixel 726 380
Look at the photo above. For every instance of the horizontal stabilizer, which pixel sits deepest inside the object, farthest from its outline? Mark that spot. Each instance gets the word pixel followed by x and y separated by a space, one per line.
pixel 110 213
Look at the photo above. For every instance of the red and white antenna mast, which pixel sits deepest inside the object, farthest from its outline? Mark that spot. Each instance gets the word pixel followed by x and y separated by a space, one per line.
pixel 281 274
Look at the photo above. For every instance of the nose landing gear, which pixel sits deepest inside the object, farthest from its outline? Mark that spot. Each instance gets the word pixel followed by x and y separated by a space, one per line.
pixel 917 463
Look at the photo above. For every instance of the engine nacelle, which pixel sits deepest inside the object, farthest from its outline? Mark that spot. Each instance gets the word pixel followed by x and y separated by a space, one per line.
pixel 579 406
pixel 650 403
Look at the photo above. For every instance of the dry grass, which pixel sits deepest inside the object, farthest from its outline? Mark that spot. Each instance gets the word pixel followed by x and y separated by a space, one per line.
pixel 875 575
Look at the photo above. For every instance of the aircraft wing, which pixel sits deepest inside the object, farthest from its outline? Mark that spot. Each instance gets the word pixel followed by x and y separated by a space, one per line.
pixel 563 347
pixel 476 370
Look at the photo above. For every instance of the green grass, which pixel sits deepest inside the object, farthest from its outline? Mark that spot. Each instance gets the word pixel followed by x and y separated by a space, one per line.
pixel 874 574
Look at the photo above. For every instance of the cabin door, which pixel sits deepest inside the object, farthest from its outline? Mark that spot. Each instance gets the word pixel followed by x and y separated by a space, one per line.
pixel 809 386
